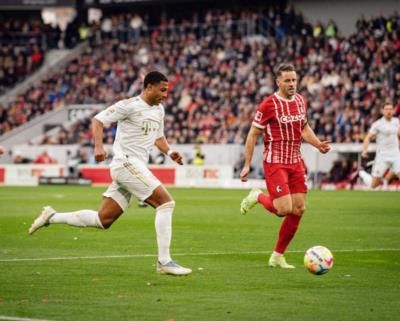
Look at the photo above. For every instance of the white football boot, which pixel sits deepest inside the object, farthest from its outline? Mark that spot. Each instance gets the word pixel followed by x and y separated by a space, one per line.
pixel 172 268
pixel 43 219
pixel 279 261
pixel 250 200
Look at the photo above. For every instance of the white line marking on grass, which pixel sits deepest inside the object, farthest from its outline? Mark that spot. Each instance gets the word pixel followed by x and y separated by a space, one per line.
pixel 3 317
pixel 133 256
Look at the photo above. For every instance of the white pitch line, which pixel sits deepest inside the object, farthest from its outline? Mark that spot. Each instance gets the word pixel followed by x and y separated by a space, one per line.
pixel 132 256
pixel 3 317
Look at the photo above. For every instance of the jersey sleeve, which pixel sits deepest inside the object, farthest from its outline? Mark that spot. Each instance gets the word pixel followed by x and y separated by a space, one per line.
pixel 160 132
pixel 263 114
pixel 374 128
pixel 112 114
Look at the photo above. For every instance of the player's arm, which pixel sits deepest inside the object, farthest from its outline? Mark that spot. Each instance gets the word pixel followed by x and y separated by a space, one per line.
pixel 163 146
pixel 310 137
pixel 120 110
pixel 251 140
pixel 366 142
pixel 100 154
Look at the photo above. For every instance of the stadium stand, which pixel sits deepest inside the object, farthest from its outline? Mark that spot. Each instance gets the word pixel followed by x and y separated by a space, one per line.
pixel 220 65
pixel 23 46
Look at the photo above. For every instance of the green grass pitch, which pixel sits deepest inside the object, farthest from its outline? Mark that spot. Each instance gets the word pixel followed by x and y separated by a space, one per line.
pixel 63 273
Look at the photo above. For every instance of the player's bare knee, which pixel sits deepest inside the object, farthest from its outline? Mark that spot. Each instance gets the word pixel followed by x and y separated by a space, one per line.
pixel 375 184
pixel 106 223
pixel 106 219
pixel 299 210
pixel 283 210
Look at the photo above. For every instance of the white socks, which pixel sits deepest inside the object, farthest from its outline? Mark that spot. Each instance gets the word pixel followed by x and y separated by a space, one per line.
pixel 366 178
pixel 82 218
pixel 163 224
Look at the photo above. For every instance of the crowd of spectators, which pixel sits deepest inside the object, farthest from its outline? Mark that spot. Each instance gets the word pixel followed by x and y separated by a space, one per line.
pixel 220 67
pixel 23 43
pixel 343 172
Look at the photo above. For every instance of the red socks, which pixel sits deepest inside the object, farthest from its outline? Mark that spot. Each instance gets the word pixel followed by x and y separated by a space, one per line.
pixel 266 201
pixel 288 230
pixel 288 227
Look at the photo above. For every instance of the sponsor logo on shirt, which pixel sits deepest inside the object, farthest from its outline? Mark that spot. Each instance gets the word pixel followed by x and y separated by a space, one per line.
pixel 291 118
pixel 148 127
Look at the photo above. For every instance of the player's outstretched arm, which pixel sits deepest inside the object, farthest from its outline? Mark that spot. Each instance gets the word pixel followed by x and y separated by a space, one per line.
pixel 366 142
pixel 163 146
pixel 310 137
pixel 251 140
pixel 100 153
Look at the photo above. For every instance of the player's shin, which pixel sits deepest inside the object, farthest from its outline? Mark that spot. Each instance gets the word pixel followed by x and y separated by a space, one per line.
pixel 366 178
pixel 287 232
pixel 82 218
pixel 163 225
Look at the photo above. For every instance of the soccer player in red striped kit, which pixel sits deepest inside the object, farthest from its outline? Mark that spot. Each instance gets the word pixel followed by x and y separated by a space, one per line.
pixel 281 118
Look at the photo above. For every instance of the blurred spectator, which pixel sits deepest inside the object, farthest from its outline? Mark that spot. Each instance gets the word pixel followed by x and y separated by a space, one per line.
pixel 239 165
pixel 44 158
pixel 344 172
pixel 199 156
pixel 159 159
pixel 19 159
pixel 81 157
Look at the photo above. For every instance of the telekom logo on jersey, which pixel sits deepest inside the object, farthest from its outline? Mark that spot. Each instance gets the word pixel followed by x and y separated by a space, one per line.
pixel 291 118
pixel 284 118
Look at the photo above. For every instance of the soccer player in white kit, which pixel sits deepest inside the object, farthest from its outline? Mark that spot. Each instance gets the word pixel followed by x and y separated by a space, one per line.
pixel 140 126
pixel 386 131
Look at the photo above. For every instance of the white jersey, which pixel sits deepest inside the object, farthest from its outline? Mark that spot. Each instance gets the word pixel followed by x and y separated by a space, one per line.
pixel 387 137
pixel 139 125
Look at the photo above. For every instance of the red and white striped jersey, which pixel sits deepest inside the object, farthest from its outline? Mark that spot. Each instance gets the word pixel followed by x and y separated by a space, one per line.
pixel 282 121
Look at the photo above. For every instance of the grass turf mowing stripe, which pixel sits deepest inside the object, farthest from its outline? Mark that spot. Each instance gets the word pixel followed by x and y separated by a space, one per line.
pixel 180 254
pixel 4 317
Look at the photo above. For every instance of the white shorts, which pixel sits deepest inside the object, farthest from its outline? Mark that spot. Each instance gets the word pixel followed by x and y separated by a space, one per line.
pixel 383 163
pixel 130 177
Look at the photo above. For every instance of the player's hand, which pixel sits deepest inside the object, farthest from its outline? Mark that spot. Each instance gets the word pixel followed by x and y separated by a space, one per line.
pixel 244 174
pixel 364 154
pixel 324 146
pixel 100 154
pixel 176 157
pixel 2 150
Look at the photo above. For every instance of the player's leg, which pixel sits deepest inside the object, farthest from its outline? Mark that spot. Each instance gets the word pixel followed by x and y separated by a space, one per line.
pixel 289 226
pixel 81 218
pixel 146 187
pixel 115 200
pixel 373 180
pixel 164 204
pixel 395 169
pixel 287 231
pixel 109 212
pixel 278 201
pixel 369 180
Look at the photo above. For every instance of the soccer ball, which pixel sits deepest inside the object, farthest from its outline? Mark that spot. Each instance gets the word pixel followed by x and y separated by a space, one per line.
pixel 318 260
